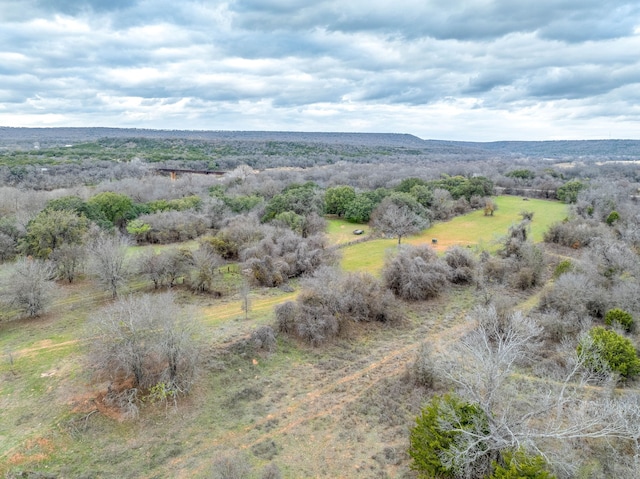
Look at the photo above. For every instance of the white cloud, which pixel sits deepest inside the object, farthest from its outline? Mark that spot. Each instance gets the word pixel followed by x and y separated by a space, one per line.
pixel 475 70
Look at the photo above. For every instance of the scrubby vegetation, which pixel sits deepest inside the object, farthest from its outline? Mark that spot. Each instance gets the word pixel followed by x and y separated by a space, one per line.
pixel 234 326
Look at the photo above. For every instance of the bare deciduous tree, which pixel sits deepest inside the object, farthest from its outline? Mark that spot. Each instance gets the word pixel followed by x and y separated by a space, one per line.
pixel 175 263
pixel 29 287
pixel 541 415
pixel 245 297
pixel 108 261
pixel 152 266
pixel 397 220
pixel 68 260
pixel 205 265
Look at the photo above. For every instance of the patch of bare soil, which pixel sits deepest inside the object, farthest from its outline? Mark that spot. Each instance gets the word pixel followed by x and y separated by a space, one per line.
pixel 33 452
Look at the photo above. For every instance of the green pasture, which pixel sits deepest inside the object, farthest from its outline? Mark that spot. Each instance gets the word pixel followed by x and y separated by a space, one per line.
pixel 473 229
pixel 341 231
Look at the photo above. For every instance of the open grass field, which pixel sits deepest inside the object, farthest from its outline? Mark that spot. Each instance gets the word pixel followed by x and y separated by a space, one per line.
pixel 473 229
pixel 341 231
pixel 338 411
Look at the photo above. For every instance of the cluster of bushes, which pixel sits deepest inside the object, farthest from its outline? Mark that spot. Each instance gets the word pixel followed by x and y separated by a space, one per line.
pixel 604 351
pixel 168 227
pixel 519 261
pixel 152 213
pixel 282 254
pixel 331 300
pixel 605 278
pixel 416 273
pixel 299 199
pixel 575 233
pixel 448 427
pixel 440 199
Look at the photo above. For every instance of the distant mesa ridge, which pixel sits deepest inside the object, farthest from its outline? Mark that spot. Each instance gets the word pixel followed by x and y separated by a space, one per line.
pixel 90 134
pixel 626 149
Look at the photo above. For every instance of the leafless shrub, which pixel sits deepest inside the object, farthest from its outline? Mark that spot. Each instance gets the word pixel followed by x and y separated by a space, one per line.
pixel 107 261
pixel 126 401
pixel 145 339
pixel 215 211
pixel 264 338
pixel 286 317
pixel 271 471
pixel 525 259
pixel 612 259
pixel 415 273
pixel 575 233
pixel 331 299
pixel 531 263
pixel 517 235
pixel 422 370
pixel 358 296
pixel 204 269
pixel 230 466
pixel 243 231
pixel 313 224
pixel 283 254
pixel 267 449
pixel 625 295
pixel 29 287
pixel 174 226
pixel 497 270
pixel 442 205
pixel 462 264
pixel 267 271
pixel 314 324
pixel 571 293
pixel 527 215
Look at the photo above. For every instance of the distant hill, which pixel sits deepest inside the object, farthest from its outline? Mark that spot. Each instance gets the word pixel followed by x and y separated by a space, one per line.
pixel 62 136
pixel 562 148
pixel 27 138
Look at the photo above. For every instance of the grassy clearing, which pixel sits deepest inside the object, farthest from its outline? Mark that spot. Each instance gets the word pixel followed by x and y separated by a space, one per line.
pixel 473 229
pixel 43 375
pixel 135 251
pixel 341 231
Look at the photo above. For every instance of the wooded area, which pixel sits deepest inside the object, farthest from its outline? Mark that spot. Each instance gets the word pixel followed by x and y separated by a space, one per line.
pixel 233 326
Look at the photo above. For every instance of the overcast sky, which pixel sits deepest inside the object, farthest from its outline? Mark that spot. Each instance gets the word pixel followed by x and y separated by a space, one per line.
pixel 477 70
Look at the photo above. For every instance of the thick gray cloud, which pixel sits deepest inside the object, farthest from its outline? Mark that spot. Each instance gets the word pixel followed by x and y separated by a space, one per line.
pixel 471 69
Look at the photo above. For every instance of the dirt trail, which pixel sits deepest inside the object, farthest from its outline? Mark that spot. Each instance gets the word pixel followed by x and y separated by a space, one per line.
pixel 335 392
pixel 44 345
pixel 215 313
